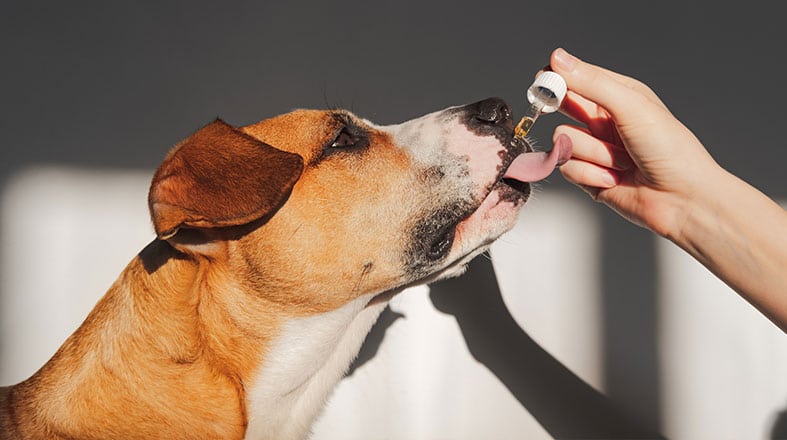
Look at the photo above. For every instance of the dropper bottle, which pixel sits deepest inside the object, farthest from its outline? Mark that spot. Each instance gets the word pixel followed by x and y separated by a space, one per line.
pixel 545 96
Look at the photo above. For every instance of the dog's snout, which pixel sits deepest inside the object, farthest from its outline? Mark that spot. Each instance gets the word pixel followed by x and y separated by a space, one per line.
pixel 490 117
pixel 491 111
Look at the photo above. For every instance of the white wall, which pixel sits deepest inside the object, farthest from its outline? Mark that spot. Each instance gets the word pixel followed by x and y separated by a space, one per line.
pixel 66 234
pixel 724 365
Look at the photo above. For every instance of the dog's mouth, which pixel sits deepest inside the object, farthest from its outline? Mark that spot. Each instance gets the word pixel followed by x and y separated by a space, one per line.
pixel 467 228
pixel 522 167
pixel 513 188
pixel 532 166
pixel 520 189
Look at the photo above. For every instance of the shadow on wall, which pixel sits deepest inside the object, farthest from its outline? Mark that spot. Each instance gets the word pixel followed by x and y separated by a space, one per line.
pixel 565 405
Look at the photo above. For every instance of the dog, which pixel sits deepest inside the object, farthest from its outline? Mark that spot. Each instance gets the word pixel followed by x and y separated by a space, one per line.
pixel 277 246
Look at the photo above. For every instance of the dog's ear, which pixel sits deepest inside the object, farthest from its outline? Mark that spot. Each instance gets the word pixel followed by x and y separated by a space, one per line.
pixel 218 177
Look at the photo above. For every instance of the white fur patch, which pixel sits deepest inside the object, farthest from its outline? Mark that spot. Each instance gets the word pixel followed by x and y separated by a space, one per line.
pixel 441 139
pixel 303 366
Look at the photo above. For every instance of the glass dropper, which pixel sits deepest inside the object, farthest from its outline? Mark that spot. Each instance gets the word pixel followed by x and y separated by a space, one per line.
pixel 545 95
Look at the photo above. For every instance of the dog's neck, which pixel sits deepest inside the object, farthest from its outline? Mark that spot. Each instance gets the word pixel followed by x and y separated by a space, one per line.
pixel 303 365
pixel 208 344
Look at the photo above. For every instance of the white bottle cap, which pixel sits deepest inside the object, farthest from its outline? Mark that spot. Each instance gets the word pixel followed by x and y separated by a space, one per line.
pixel 549 89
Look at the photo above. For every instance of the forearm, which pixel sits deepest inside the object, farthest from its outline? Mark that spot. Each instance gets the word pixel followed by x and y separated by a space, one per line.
pixel 740 235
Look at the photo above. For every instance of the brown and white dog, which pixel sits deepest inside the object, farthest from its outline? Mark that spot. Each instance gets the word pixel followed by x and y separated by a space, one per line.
pixel 279 243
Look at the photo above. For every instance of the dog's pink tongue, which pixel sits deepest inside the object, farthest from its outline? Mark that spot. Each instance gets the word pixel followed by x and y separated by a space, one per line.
pixel 537 165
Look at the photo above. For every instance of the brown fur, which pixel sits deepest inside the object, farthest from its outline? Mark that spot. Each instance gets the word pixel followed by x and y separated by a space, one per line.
pixel 277 245
pixel 220 176
pixel 191 316
pixel 126 362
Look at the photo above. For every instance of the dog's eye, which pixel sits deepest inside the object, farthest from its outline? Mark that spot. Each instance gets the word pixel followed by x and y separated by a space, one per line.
pixel 345 139
pixel 350 137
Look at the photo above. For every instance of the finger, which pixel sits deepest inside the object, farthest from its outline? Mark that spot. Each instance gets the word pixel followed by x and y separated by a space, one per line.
pixel 628 81
pixel 581 109
pixel 592 191
pixel 592 115
pixel 583 173
pixel 589 148
pixel 577 107
pixel 625 101
pixel 634 84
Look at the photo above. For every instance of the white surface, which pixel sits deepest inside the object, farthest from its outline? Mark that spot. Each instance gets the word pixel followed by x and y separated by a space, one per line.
pixel 66 234
pixel 724 364
pixel 423 384
pixel 548 269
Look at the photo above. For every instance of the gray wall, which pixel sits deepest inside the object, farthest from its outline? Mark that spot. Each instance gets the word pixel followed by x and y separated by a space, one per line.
pixel 114 85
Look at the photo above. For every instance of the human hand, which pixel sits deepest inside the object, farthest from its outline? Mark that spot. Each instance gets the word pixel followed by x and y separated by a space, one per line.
pixel 633 155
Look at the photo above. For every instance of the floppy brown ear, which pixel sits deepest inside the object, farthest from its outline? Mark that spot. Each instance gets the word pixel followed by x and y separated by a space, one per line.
pixel 220 176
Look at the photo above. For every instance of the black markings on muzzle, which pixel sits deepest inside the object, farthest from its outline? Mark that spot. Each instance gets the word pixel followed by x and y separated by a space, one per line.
pixel 432 238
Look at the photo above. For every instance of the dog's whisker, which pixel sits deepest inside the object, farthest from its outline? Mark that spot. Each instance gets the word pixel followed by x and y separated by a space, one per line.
pixel 295 231
pixel 364 272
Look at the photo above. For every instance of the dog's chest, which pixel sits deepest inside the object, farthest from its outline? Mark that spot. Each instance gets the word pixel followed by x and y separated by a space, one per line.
pixel 299 372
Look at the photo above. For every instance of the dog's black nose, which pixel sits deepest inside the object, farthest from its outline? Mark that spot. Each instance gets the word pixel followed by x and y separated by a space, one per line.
pixel 491 111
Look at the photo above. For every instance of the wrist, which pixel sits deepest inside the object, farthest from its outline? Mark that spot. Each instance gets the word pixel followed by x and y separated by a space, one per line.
pixel 694 208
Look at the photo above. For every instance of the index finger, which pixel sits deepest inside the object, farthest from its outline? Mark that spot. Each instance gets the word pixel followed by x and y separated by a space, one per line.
pixel 622 97
pixel 594 116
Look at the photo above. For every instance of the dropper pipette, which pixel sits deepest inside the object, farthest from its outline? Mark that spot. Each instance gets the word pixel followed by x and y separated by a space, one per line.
pixel 545 95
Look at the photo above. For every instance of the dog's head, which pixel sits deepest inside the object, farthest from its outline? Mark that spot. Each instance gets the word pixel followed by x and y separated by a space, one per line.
pixel 323 206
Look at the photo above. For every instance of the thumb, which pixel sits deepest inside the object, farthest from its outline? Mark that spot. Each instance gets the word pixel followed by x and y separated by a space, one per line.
pixel 624 98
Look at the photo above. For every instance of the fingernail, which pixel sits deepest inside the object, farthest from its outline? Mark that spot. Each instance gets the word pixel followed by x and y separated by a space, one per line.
pixel 565 147
pixel 564 60
pixel 609 179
